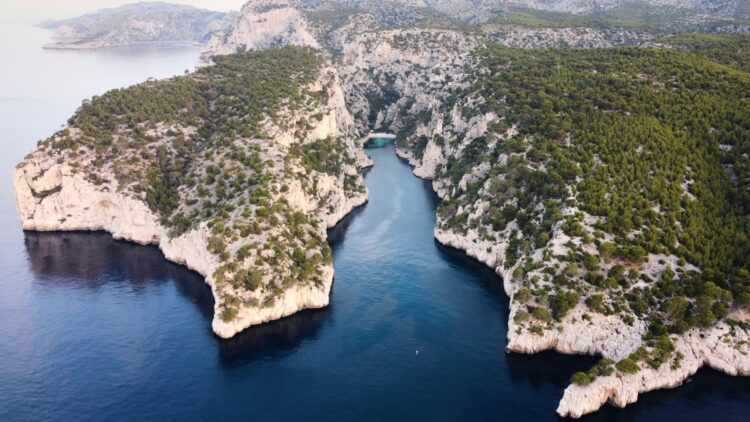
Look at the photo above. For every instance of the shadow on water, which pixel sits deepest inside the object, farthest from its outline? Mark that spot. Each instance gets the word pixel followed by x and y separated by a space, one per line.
pixel 547 367
pixel 491 282
pixel 89 260
pixel 273 340
pixel 431 195
pixel 539 369
pixel 337 234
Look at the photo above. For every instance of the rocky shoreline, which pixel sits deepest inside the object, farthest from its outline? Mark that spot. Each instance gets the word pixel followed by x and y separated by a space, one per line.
pixel 721 347
pixel 81 206
pixel 52 195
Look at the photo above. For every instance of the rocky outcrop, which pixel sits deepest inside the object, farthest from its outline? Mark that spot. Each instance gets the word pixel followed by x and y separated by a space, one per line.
pixel 260 25
pixel 54 193
pixel 77 204
pixel 723 347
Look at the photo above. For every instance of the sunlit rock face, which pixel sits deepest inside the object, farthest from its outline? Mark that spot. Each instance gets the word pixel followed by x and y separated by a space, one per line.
pixel 416 83
pixel 260 25
pixel 246 206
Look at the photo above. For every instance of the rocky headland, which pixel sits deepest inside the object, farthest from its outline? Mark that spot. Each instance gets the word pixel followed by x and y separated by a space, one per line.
pixel 132 24
pixel 258 235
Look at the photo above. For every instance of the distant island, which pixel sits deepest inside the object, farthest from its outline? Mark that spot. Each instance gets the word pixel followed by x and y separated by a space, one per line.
pixel 137 23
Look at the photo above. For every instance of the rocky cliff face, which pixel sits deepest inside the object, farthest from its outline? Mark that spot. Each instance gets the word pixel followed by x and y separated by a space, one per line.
pixel 260 25
pixel 263 254
pixel 723 347
pixel 393 75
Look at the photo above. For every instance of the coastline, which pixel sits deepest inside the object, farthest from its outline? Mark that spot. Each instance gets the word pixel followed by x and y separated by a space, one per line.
pixel 52 195
pixel 93 45
pixel 602 336
pixel 130 220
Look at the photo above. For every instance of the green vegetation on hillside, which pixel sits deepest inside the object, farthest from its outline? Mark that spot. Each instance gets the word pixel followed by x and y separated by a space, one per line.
pixel 213 108
pixel 536 18
pixel 194 148
pixel 729 49
pixel 636 155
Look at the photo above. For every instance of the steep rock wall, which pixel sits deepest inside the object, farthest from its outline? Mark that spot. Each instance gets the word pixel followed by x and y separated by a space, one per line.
pixel 53 196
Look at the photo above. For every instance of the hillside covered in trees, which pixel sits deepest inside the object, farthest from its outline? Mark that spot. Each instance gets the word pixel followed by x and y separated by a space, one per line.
pixel 650 145
pixel 609 183
pixel 251 155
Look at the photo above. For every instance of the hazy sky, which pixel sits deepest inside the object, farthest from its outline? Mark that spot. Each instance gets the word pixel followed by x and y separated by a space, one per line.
pixel 39 10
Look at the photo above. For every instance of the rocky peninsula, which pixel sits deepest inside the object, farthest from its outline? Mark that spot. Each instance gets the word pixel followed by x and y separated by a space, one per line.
pixel 132 24
pixel 244 200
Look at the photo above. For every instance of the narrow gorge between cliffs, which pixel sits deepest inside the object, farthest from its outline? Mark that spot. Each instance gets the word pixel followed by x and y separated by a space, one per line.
pixel 92 327
pixel 396 291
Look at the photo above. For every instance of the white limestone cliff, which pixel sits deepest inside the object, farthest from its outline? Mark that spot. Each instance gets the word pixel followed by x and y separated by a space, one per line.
pixel 722 347
pixel 51 195
pixel 260 25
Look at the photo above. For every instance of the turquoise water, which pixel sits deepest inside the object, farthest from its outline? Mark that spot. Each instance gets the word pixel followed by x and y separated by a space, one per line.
pixel 97 329
pixel 378 142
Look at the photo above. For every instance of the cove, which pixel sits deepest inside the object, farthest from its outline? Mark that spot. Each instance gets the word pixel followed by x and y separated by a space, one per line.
pixel 112 330
pixel 97 329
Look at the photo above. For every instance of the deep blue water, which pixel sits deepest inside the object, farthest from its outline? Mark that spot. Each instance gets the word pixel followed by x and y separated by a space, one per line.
pixel 97 329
